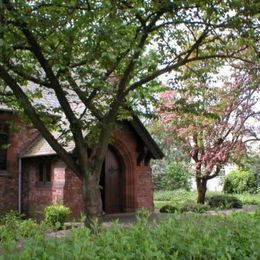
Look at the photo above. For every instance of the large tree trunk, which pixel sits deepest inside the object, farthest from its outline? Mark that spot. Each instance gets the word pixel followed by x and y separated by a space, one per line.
pixel 92 199
pixel 201 189
pixel 91 177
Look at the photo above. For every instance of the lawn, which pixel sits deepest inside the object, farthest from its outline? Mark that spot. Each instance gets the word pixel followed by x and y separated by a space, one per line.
pixel 179 197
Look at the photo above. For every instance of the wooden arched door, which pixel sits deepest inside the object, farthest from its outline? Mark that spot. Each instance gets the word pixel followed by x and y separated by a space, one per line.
pixel 112 183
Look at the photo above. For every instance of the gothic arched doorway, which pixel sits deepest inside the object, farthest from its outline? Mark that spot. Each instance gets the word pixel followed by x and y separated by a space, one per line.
pixel 111 182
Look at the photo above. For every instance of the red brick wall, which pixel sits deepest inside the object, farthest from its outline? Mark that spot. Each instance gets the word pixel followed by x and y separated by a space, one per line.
pixel 58 181
pixel 35 196
pixel 73 197
pixel 144 187
pixel 9 182
pixel 67 188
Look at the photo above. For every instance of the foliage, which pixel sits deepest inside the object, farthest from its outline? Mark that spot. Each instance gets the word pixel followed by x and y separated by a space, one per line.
pixel 98 58
pixel 211 121
pixel 13 227
pixel 168 209
pixel 172 155
pixel 224 202
pixel 250 161
pixel 193 207
pixel 240 181
pixel 224 237
pixel 177 176
pixel 56 215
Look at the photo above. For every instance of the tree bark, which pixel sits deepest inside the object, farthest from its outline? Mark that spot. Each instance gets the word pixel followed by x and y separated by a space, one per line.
pixel 91 176
pixel 92 199
pixel 201 189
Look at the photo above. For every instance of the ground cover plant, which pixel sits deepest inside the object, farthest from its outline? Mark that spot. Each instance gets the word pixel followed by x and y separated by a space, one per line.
pixel 184 236
pixel 224 202
pixel 14 229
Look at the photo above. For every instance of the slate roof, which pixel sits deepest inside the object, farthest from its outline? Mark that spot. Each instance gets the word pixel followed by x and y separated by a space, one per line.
pixel 40 146
pixel 48 98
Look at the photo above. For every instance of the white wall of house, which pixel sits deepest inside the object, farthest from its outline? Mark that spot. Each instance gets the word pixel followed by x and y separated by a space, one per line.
pixel 212 185
pixel 216 184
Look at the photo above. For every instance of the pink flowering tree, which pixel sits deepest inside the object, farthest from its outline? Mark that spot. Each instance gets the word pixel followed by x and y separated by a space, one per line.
pixel 212 123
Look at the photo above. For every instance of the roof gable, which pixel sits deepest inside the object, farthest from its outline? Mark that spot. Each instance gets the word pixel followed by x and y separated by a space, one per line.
pixel 41 147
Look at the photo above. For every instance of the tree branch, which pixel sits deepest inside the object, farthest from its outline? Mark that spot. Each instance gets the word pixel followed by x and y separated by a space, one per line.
pixel 121 93
pixel 87 101
pixel 61 96
pixel 171 67
pixel 36 120
pixel 218 168
pixel 29 77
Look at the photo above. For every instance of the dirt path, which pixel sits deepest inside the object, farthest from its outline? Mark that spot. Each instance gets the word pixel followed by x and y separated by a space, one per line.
pixel 246 208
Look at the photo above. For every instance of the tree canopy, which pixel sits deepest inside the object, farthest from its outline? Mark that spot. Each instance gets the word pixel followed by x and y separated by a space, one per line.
pixel 211 121
pixel 98 58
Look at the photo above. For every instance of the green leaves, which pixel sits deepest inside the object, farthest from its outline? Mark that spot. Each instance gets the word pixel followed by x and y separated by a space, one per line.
pixel 180 237
pixel 94 58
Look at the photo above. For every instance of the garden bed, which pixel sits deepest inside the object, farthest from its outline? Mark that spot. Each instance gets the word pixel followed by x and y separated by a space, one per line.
pixel 182 236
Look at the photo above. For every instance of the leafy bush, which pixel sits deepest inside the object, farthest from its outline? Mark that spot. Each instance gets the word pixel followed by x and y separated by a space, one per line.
pixel 168 209
pixel 13 227
pixel 224 202
pixel 56 215
pixel 177 175
pixel 239 181
pixel 193 207
pixel 234 236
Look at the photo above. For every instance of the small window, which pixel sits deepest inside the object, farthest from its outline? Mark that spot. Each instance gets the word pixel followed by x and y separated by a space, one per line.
pixel 44 173
pixel 4 136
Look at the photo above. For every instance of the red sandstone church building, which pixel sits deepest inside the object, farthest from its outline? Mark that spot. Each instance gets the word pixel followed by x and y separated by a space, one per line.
pixel 32 176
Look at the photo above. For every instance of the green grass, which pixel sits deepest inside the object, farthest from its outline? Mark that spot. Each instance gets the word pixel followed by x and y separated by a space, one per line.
pixel 184 236
pixel 159 204
pixel 253 199
pixel 179 197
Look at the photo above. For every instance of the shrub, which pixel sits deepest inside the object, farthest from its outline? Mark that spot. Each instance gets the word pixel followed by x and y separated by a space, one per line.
pixel 224 202
pixel 239 181
pixel 235 236
pixel 177 175
pixel 194 207
pixel 168 209
pixel 13 227
pixel 56 215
